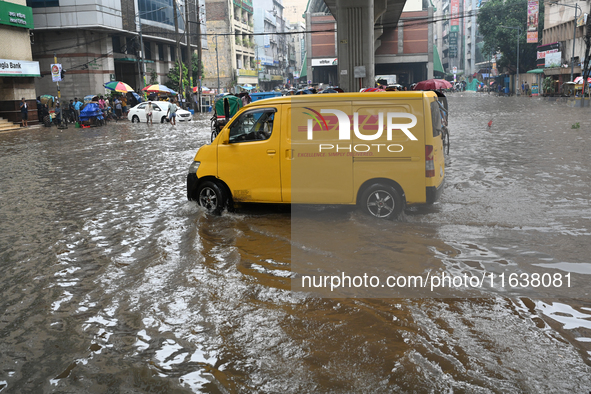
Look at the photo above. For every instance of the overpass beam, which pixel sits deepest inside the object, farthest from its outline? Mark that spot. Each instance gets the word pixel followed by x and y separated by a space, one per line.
pixel 356 44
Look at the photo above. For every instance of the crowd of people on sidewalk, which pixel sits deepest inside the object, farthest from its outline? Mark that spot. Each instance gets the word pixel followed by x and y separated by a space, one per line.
pixel 116 108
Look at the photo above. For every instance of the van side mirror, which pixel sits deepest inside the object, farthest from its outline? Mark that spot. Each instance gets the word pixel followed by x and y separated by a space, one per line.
pixel 225 138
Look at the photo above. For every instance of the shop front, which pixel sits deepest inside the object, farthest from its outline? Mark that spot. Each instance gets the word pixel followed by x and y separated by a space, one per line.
pixel 17 68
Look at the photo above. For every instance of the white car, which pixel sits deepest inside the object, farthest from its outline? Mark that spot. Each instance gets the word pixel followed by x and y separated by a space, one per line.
pixel 138 113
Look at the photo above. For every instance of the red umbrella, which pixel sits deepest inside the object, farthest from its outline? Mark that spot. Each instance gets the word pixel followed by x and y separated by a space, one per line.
pixel 433 84
pixel 579 80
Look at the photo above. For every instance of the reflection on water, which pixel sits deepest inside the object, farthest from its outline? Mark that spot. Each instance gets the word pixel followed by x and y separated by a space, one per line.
pixel 113 282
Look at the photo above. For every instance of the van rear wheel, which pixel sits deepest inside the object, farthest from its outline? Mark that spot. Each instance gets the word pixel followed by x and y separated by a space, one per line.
pixel 381 201
pixel 212 197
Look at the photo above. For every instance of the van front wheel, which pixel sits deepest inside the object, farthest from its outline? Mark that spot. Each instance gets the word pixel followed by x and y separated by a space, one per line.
pixel 381 201
pixel 211 197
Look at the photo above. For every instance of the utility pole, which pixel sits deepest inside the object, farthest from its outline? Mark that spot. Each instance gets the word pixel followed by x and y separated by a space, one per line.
pixel 178 45
pixel 189 89
pixel 217 61
pixel 199 64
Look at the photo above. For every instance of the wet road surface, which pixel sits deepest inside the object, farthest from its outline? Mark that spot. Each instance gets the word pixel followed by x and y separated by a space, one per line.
pixel 113 282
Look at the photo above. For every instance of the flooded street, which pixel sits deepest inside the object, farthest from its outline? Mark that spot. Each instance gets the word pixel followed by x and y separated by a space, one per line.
pixel 113 282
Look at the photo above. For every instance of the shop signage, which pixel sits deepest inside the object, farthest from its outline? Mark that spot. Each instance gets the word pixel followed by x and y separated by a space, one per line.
pixel 532 21
pixel 266 60
pixel 16 15
pixel 331 61
pixel 19 68
pixel 455 13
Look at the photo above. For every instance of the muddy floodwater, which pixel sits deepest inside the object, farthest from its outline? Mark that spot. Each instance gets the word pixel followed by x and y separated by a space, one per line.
pixel 112 282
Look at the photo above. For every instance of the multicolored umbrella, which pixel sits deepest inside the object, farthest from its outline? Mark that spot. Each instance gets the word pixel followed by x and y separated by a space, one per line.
pixel 119 86
pixel 157 88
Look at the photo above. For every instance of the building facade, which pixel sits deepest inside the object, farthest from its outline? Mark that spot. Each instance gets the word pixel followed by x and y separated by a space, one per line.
pixel 321 45
pixel 230 61
pixel 17 68
pixel 406 50
pixel 559 28
pixel 272 44
pixel 99 41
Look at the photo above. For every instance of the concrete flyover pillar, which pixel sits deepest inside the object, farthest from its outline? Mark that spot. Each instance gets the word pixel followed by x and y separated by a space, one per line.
pixel 356 44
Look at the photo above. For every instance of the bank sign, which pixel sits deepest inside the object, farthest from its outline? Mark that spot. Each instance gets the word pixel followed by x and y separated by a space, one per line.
pixel 19 68
pixel 16 15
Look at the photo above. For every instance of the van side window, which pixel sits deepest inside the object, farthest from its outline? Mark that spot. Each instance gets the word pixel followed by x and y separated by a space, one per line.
pixel 254 125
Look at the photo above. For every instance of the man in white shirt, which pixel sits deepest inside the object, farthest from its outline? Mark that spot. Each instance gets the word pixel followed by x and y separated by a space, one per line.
pixel 149 108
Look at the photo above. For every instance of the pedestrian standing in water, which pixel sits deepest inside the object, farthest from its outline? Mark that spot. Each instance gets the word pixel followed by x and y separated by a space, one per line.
pixel 24 113
pixel 117 104
pixel 149 108
pixel 172 112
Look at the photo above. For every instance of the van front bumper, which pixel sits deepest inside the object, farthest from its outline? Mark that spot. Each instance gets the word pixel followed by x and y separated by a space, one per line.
pixel 433 193
pixel 192 186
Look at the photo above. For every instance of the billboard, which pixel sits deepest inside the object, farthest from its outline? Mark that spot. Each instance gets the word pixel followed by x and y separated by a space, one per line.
pixel 553 59
pixel 455 13
pixel 533 7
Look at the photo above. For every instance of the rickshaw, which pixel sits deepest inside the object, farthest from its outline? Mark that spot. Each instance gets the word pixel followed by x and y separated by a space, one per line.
pixel 91 115
pixel 224 109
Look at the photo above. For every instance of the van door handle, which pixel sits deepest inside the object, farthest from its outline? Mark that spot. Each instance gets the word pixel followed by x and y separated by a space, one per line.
pixel 289 154
pixel 271 151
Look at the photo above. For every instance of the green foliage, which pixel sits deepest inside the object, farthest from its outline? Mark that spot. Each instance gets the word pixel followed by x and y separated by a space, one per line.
pixel 195 68
pixel 173 77
pixel 576 126
pixel 548 85
pixel 496 13
pixel 153 77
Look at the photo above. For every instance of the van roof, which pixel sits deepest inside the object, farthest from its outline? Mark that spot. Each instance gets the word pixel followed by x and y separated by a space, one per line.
pixel 351 96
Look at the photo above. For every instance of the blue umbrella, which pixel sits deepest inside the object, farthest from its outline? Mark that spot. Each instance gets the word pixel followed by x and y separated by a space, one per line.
pixel 137 97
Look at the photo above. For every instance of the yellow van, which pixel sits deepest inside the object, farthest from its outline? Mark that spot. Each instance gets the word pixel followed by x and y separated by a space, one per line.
pixel 379 150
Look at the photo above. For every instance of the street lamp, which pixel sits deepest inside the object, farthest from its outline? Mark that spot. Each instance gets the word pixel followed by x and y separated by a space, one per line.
pixel 572 60
pixel 142 64
pixel 518 28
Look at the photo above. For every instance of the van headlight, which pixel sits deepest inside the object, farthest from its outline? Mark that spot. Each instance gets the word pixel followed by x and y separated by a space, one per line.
pixel 193 167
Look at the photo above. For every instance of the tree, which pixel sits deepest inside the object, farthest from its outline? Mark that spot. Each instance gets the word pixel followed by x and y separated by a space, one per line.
pixel 173 77
pixel 153 77
pixel 194 66
pixel 512 13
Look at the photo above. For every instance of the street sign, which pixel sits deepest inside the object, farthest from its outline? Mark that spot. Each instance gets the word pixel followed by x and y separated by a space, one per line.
pixel 455 70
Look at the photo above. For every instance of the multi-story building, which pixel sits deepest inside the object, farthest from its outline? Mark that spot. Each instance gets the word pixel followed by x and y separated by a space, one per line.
pixel 231 60
pixel 321 62
pixel 271 44
pixel 17 68
pixel 406 49
pixel 97 41
pixel 560 27
pixel 298 46
pixel 293 14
